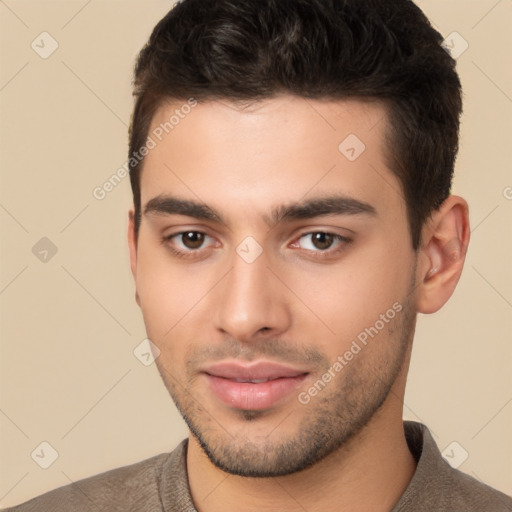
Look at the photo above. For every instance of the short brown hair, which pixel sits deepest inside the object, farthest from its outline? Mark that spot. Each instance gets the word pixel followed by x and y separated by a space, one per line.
pixel 325 49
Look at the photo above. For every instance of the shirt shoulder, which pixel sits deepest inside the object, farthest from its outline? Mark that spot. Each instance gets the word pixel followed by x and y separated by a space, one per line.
pixel 466 493
pixel 133 487
pixel 437 487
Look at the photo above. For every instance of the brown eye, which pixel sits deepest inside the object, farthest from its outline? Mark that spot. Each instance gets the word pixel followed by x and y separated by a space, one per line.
pixel 322 241
pixel 192 239
pixel 190 244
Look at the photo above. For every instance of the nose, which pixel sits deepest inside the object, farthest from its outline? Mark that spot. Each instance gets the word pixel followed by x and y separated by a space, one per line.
pixel 251 302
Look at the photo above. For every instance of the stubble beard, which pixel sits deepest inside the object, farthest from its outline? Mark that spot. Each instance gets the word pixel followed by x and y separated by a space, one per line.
pixel 328 422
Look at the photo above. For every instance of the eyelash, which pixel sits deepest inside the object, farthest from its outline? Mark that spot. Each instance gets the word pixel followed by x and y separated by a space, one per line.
pixel 190 254
pixel 343 241
pixel 339 244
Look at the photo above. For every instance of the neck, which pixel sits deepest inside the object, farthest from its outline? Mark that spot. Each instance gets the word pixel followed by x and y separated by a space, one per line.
pixel 370 472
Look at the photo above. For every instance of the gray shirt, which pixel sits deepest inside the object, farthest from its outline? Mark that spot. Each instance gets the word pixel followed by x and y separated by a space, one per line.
pixel 160 484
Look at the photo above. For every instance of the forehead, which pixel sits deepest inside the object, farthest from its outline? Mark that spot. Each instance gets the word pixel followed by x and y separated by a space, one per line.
pixel 269 152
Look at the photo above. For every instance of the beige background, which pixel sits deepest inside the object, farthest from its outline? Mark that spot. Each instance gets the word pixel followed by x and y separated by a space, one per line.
pixel 69 325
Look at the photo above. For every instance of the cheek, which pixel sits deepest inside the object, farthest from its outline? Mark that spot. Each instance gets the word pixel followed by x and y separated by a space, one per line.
pixel 168 299
pixel 166 293
pixel 345 298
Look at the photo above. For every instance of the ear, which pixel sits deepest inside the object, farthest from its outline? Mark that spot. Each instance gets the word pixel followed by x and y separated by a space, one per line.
pixel 132 246
pixel 445 240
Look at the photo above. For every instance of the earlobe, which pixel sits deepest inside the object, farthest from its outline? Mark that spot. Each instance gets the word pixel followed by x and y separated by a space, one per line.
pixel 444 246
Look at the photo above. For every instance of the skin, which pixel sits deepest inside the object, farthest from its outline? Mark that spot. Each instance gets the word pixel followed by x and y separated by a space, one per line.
pixel 297 303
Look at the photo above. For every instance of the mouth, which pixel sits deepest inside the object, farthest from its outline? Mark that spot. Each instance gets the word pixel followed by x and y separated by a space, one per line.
pixel 253 387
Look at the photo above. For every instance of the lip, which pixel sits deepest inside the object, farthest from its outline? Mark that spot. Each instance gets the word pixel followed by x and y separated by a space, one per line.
pixel 233 383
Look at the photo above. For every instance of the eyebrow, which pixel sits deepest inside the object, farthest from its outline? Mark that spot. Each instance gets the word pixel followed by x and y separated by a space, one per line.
pixel 168 205
pixel 311 208
pixel 319 207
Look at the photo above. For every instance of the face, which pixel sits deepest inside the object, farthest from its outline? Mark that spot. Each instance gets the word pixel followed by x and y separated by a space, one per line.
pixel 274 270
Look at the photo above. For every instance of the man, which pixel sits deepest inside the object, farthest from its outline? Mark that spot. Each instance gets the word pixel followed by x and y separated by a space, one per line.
pixel 291 165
